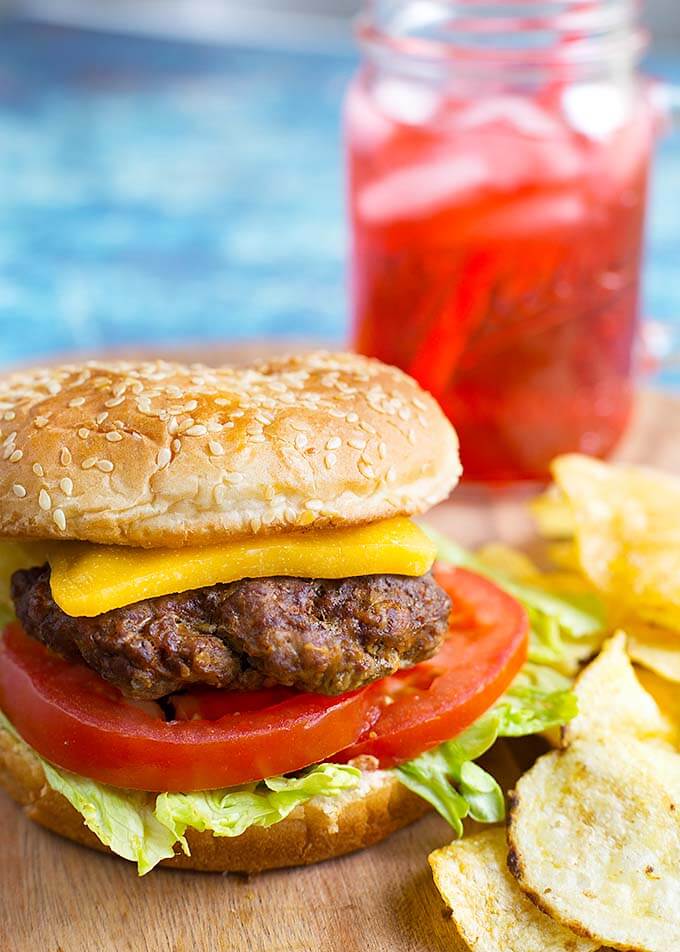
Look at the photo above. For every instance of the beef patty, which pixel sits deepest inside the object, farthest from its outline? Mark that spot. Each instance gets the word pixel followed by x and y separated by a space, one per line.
pixel 327 636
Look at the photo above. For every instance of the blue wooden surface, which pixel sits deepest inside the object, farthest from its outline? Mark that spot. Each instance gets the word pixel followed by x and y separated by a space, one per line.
pixel 162 190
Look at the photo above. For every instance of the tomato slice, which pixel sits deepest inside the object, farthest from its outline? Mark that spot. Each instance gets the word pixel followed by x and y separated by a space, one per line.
pixel 220 739
pixel 76 720
pixel 439 698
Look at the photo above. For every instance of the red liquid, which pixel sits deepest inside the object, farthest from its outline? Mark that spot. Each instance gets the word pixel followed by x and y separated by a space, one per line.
pixel 496 258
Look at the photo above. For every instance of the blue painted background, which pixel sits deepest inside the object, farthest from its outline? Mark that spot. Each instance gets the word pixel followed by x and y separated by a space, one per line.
pixel 153 189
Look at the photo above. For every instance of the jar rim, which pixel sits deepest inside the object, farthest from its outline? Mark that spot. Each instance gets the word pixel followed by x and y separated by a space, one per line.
pixel 581 39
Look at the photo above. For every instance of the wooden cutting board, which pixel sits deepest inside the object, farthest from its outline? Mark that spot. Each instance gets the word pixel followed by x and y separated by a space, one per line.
pixel 58 897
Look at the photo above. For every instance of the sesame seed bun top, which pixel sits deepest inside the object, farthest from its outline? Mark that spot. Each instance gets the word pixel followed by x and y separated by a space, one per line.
pixel 164 454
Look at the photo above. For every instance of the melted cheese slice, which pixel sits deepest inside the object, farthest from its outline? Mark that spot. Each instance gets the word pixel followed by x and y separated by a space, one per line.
pixel 90 579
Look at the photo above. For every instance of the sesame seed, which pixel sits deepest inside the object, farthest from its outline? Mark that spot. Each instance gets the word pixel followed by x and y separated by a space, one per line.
pixel 38 470
pixel 16 456
pixel 257 438
pixel 11 438
pixel 99 419
pixel 83 432
pixel 66 485
pixel 44 500
pixel 163 457
pixel 419 404
pixel 334 443
pixel 10 415
pixel 216 448
pixel 391 474
pixel 330 459
pixel 105 465
pixel 185 425
pixel 176 446
pixel 19 490
pixel 172 426
pixel 76 402
pixel 40 422
pixel 352 417
pixel 53 387
pixel 65 457
pixel 367 428
pixel 404 414
pixel 255 523
pixel 411 436
pixel 59 519
pixel 314 505
pixel 366 469
pixel 191 406
pixel 8 450
pixel 357 444
pixel 300 441
pixel 382 450
pixel 89 462
pixel 221 402
pixel 197 430
pixel 214 427
pixel 234 477
pixel 114 436
pixel 114 402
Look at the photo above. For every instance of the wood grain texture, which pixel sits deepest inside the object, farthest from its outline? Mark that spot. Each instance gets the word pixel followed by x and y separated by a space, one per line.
pixel 58 897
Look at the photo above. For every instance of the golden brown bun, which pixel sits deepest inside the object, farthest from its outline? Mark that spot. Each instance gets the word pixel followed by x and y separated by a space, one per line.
pixel 159 454
pixel 323 828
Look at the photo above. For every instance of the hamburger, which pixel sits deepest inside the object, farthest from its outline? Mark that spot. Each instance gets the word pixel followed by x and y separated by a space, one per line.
pixel 227 644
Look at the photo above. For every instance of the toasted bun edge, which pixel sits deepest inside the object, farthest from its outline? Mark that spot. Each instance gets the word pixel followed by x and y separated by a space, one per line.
pixel 323 828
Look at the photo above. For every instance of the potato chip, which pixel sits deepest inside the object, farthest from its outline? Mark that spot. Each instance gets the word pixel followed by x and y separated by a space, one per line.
pixel 564 555
pixel 488 908
pixel 595 839
pixel 667 696
pixel 516 566
pixel 655 648
pixel 612 701
pixel 552 514
pixel 627 527
pixel 503 559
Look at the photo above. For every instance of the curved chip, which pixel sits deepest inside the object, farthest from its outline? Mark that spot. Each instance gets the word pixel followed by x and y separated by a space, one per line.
pixel 611 700
pixel 488 908
pixel 552 514
pixel 627 529
pixel 655 648
pixel 667 696
pixel 595 839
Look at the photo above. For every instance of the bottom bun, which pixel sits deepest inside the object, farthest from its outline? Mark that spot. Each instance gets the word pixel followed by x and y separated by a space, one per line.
pixel 321 829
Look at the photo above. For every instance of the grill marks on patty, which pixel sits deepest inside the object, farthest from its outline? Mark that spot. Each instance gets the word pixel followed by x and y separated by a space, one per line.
pixel 326 636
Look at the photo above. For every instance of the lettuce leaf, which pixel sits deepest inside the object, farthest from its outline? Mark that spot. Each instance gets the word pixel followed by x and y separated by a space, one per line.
pixel 231 812
pixel 123 820
pixel 144 828
pixel 448 778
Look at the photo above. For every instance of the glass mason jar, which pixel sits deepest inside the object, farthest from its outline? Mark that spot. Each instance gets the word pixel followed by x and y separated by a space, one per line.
pixel 498 157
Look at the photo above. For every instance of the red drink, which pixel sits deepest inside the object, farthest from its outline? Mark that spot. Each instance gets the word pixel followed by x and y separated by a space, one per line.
pixel 496 256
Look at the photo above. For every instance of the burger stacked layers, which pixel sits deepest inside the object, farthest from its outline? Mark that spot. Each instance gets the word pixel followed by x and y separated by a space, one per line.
pixel 216 583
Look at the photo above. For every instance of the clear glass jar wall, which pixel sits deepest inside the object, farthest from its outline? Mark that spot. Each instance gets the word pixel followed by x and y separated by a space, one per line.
pixel 497 159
